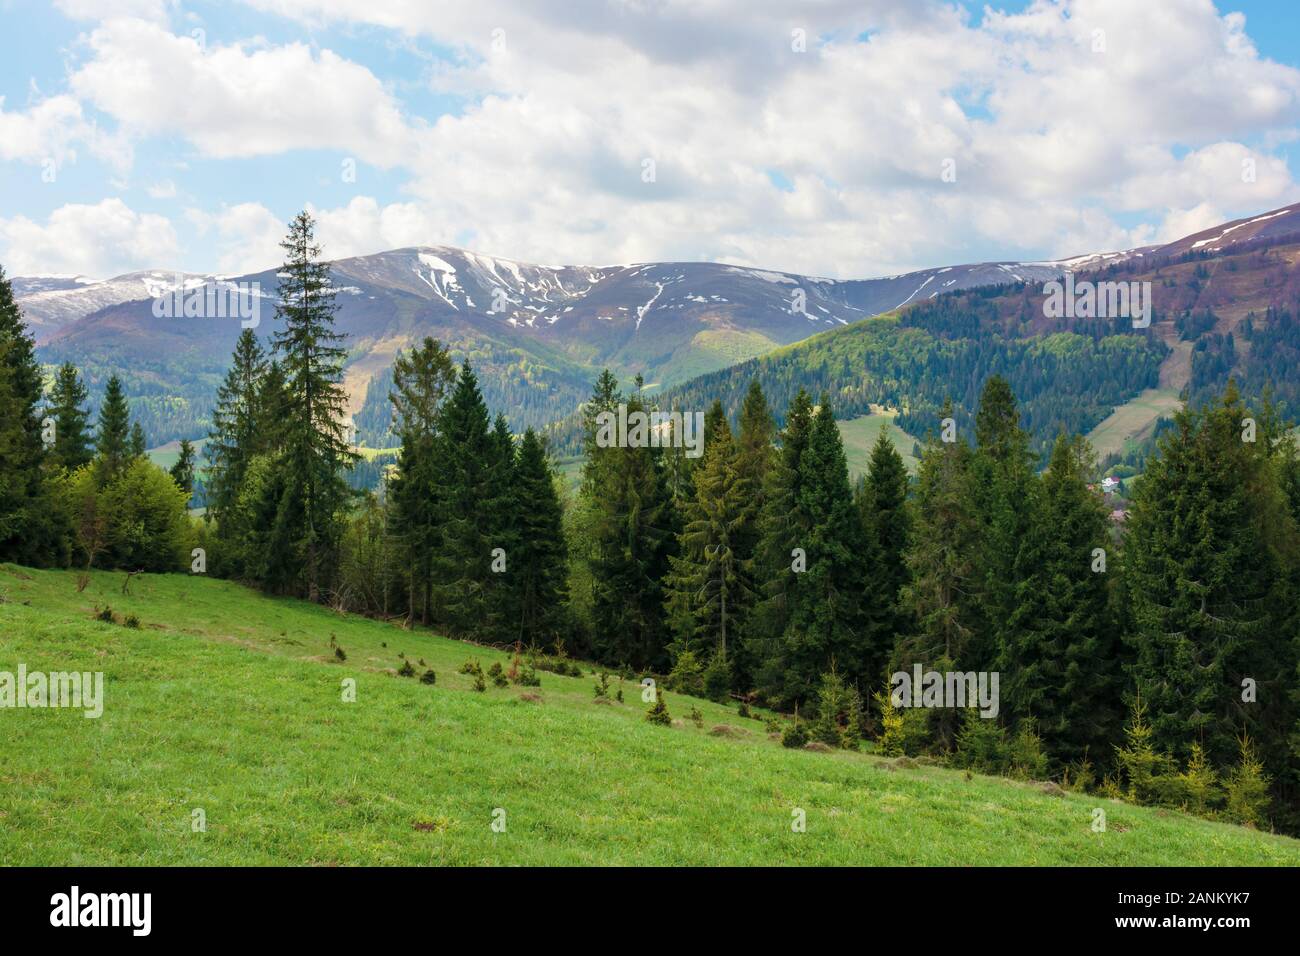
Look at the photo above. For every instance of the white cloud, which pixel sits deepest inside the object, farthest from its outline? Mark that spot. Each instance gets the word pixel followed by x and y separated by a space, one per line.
pixel 363 226
pixel 155 10
pixel 1056 138
pixel 1185 222
pixel 1051 140
pixel 240 100
pixel 247 236
pixel 48 132
pixel 103 240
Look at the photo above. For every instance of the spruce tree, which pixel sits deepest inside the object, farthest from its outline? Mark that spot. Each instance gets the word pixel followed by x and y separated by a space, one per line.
pixel 25 530
pixel 628 524
pixel 943 561
pixel 137 443
pixel 270 400
pixel 943 556
pixel 886 517
pixel 502 520
pixel 715 423
pixel 183 471
pixel 1003 472
pixel 707 587
pixel 235 435
pixel 72 443
pixel 316 452
pixel 422 379
pixel 678 469
pixel 784 528
pixel 541 559
pixel 1061 663
pixel 464 558
pixel 15 503
pixel 833 725
pixel 755 459
pixel 840 616
pixel 113 434
pixel 585 528
pixel 1207 585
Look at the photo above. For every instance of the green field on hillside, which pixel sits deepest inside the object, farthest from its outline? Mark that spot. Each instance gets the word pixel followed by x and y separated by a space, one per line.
pixel 1133 421
pixel 860 434
pixel 230 702
pixel 165 456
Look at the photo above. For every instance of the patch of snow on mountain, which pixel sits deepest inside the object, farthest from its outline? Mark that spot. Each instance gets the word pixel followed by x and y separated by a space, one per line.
pixel 764 275
pixel 643 309
pixel 914 292
pixel 436 263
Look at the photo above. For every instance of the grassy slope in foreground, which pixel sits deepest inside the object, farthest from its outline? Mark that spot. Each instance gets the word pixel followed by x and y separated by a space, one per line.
pixel 225 700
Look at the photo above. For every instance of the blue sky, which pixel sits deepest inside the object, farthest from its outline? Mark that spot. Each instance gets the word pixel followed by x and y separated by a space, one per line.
pixel 151 133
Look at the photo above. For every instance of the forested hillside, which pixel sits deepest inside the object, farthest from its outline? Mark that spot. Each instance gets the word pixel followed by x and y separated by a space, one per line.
pixel 1232 303
pixel 939 351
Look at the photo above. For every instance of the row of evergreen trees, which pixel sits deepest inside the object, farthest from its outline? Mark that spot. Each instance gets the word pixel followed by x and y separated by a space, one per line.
pixel 70 495
pixel 467 533
pixel 759 555
pixel 760 560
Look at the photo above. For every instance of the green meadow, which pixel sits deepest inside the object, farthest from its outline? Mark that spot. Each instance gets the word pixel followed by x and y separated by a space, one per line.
pixel 231 703
pixel 860 435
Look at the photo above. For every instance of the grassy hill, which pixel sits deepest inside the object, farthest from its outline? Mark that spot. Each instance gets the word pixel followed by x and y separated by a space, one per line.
pixel 166 455
pixel 229 701
pixel 860 434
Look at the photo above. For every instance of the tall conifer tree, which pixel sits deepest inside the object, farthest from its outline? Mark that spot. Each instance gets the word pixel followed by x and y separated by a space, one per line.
pixel 1061 664
pixel 24 511
pixel 886 517
pixel 755 459
pixel 1205 583
pixel 540 559
pixel 236 434
pixel 708 589
pixel 422 379
pixel 1003 472
pixel 72 443
pixel 113 434
pixel 784 531
pixel 838 620
pixel 316 451
pixel 464 559
pixel 182 471
pixel 628 523
pixel 138 445
pixel 502 527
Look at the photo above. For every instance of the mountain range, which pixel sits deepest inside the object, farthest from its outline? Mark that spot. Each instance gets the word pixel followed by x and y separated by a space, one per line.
pixel 537 335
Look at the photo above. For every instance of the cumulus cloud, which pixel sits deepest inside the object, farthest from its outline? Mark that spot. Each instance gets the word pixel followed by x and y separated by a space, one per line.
pixel 48 132
pixel 842 138
pixel 155 10
pixel 100 240
pixel 239 100
pixel 246 235
pixel 363 226
pixel 1054 120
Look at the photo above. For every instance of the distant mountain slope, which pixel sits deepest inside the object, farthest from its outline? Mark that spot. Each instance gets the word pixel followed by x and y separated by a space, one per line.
pixel 539 334
pixel 1270 225
pixel 50 303
pixel 1225 303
